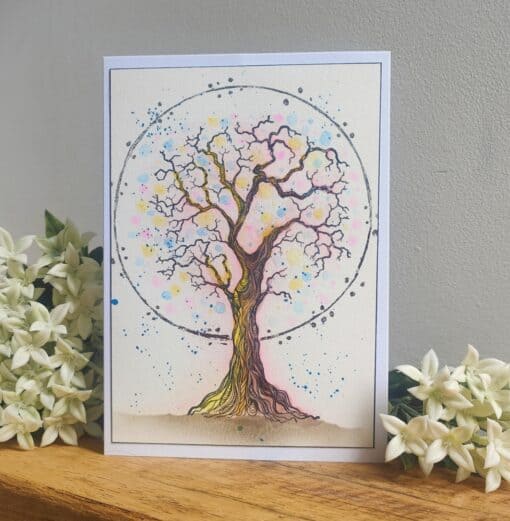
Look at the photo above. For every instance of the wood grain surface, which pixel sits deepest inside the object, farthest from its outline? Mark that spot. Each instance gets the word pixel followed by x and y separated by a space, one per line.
pixel 76 484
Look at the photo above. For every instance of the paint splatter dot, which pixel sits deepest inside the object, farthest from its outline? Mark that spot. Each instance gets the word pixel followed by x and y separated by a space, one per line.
pixel 115 301
pixel 285 101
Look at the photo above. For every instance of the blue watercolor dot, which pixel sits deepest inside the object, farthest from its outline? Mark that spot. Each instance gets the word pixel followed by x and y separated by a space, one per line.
pixel 201 232
pixel 281 212
pixel 150 213
pixel 115 301
pixel 325 138
pixel 306 276
pixel 143 178
pixel 145 150
pixel 168 145
pixel 218 248
pixel 224 199
pixel 132 235
pixel 166 295
pixel 292 119
pixel 219 307
pixel 224 122
pixel 169 243
pixel 202 160
pixel 298 307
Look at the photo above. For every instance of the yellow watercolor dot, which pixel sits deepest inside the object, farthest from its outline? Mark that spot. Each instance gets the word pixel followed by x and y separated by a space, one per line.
pixel 295 284
pixel 175 289
pixel 241 182
pixel 220 141
pixel 142 206
pixel 160 189
pixel 266 218
pixel 318 213
pixel 147 251
pixel 184 276
pixel 294 256
pixel 213 121
pixel 257 157
pixel 265 191
pixel 159 220
pixel 204 219
pixel 295 143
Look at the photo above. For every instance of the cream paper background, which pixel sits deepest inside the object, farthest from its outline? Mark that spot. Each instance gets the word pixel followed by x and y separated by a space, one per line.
pixel 165 377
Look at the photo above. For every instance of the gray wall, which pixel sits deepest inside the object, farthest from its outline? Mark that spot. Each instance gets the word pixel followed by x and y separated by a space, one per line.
pixel 450 131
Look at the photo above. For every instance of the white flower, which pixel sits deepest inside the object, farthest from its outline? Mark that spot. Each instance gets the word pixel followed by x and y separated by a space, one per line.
pixel 498 447
pixel 69 360
pixel 59 426
pixel 450 442
pixel 74 270
pixel 487 379
pixel 408 438
pixel 494 473
pixel 48 324
pixel 20 422
pixel 70 401
pixel 24 350
pixel 13 250
pixel 437 389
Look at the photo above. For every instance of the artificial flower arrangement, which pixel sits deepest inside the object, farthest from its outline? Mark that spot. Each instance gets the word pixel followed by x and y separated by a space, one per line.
pixel 458 417
pixel 50 337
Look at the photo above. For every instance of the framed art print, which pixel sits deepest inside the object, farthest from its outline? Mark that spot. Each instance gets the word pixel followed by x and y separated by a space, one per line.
pixel 246 219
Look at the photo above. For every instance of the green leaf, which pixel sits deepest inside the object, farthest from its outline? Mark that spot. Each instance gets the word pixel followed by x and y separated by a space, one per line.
pixel 97 254
pixel 53 225
pixel 409 461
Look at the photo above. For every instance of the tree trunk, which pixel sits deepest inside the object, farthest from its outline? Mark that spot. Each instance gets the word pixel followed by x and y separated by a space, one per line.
pixel 245 390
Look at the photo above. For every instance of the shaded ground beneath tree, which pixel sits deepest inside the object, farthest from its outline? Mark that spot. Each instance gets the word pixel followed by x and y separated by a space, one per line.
pixel 239 430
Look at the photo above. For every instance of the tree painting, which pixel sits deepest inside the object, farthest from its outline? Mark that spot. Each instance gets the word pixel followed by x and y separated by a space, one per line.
pixel 229 206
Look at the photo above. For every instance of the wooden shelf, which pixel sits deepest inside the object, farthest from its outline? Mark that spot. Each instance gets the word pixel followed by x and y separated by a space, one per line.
pixel 79 483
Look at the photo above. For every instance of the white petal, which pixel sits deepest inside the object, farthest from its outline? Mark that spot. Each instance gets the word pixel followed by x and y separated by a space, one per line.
pixel 434 409
pixel 492 480
pixel 23 243
pixel 462 474
pixel 40 356
pixel 492 457
pixel 420 392
pixel 494 430
pixel 66 372
pixel 498 411
pixel 436 452
pixel 471 357
pixel 68 435
pixel 25 440
pixel 47 399
pixel 20 358
pixel 430 364
pixel 437 429
pixel 84 326
pixel 425 466
pixel 59 270
pixel 461 456
pixel 77 409
pixel 60 408
pixel 41 337
pixel 392 424
pixel 58 313
pixel 410 371
pixel 73 283
pixel 49 436
pixel 418 447
pixel 7 432
pixel 395 448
